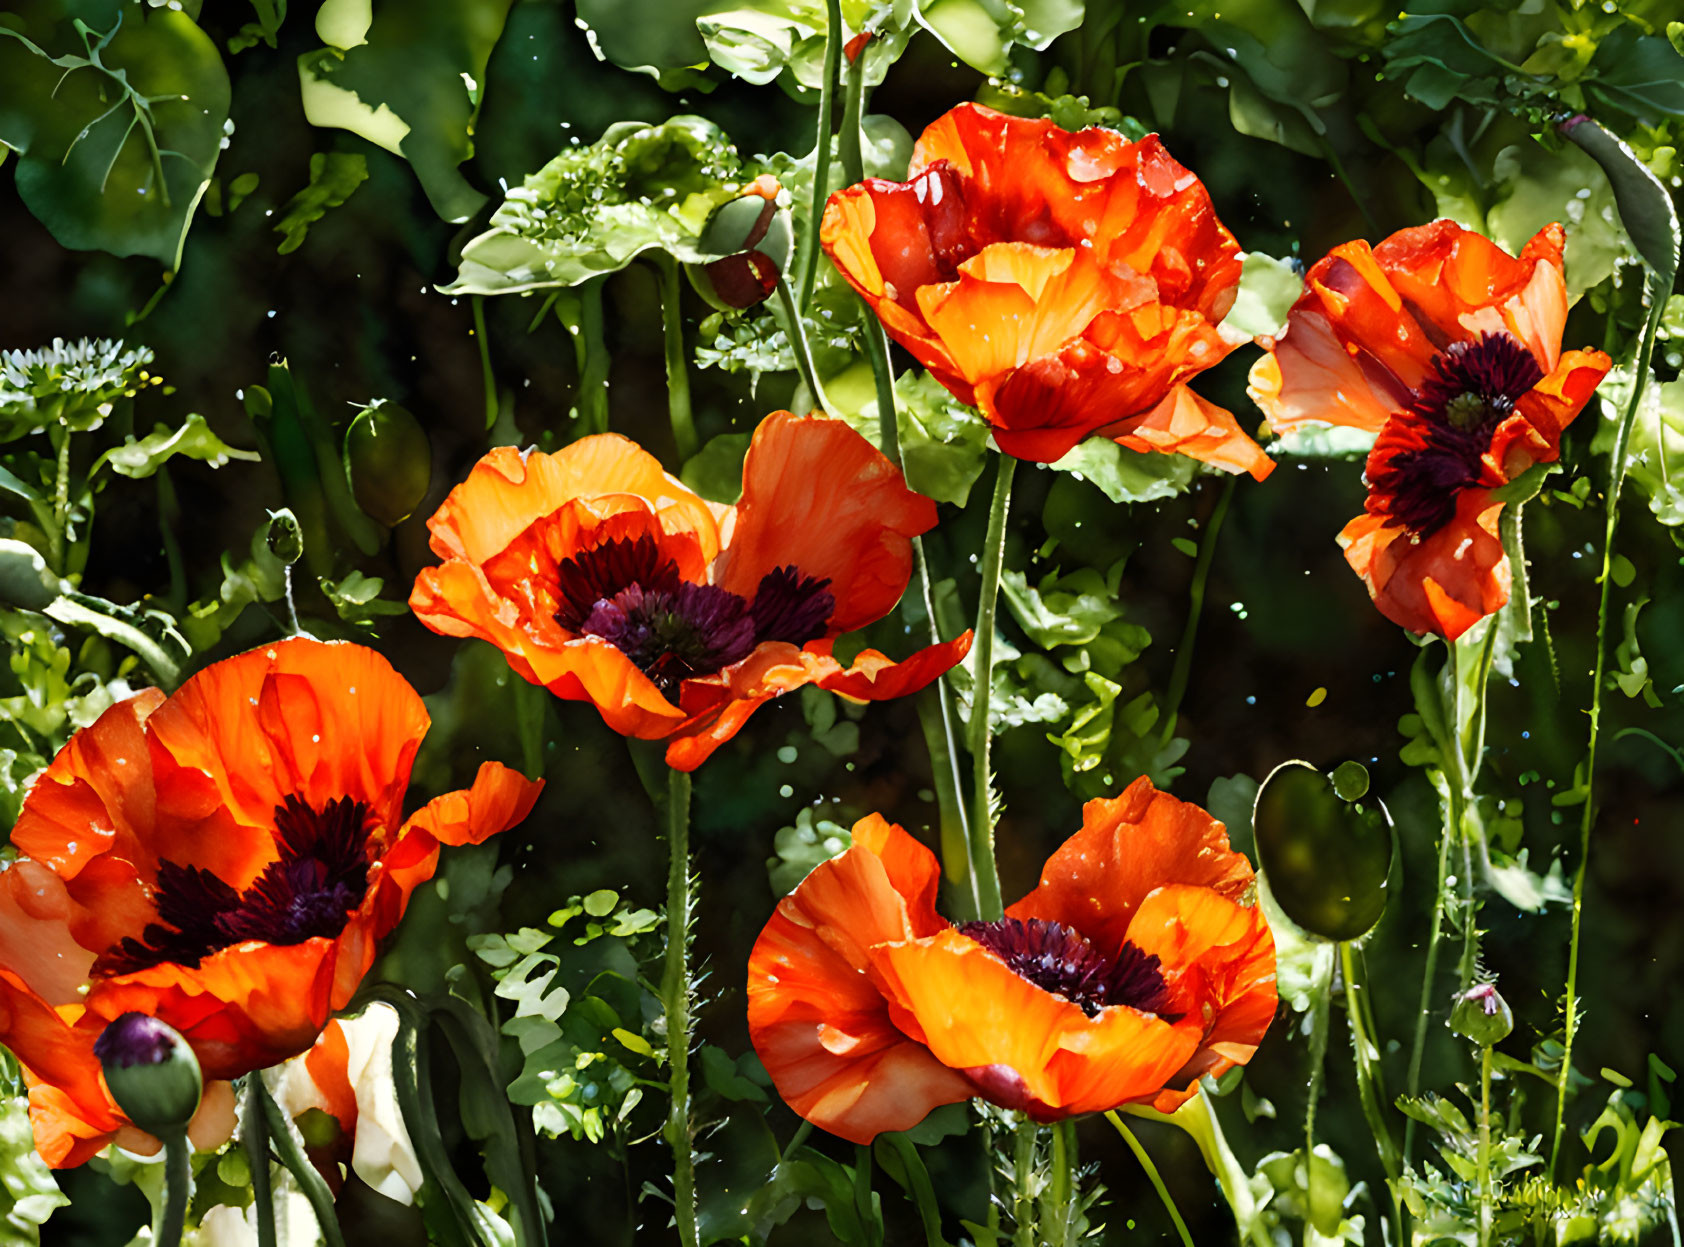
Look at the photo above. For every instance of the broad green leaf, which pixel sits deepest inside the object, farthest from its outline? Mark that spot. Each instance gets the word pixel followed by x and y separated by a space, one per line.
pixel 334 176
pixel 982 32
pixel 1268 289
pixel 801 847
pixel 406 74
pixel 593 210
pixel 1639 75
pixel 25 580
pixel 943 442
pixel 119 113
pixel 141 457
pixel 1655 452
pixel 1128 475
pixel 716 471
pixel 1064 610
pixel 28 1192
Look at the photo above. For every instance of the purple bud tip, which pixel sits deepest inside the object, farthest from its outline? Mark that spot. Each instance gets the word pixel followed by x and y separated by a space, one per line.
pixel 1485 995
pixel 1573 123
pixel 134 1039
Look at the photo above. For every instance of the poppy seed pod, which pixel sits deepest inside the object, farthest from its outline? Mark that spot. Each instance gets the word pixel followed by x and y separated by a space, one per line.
pixel 388 462
pixel 1325 852
pixel 151 1071
pixel 1482 1015
pixel 753 237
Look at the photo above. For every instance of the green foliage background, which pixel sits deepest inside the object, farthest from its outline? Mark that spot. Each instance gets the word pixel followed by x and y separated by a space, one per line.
pixel 286 236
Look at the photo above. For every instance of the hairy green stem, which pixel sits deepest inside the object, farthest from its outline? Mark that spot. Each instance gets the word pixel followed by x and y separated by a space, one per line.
pixel 1368 1082
pixel 985 876
pixel 1152 1173
pixel 291 1154
pixel 1616 480
pixel 178 1186
pixel 678 374
pixel 1063 1192
pixel 821 153
pixel 1321 1006
pixel 1182 671
pixel 58 540
pixel 254 1138
pixel 1023 1185
pixel 1484 1145
pixel 675 992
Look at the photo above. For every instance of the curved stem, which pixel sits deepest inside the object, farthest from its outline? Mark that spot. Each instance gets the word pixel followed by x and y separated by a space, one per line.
pixel 1616 480
pixel 1152 1173
pixel 290 1154
pixel 985 877
pixel 797 331
pixel 678 374
pixel 918 1186
pixel 1368 1080
pixel 178 1186
pixel 821 150
pixel 853 158
pixel 675 992
pixel 254 1137
pixel 1484 1145
pixel 1321 1007
pixel 1182 671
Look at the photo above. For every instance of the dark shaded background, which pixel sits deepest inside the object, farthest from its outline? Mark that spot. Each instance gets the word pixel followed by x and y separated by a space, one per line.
pixel 356 314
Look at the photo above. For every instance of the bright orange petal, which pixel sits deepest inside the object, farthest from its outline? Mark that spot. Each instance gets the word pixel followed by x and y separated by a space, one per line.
pixel 1310 376
pixel 306 718
pixel 499 799
pixel 818 496
pixel 1444 583
pixel 1550 406
pixel 327 1062
pixel 36 945
pixel 1128 846
pixel 819 1025
pixel 71 1111
pixel 1024 1047
pixel 1183 423
pixel 877 677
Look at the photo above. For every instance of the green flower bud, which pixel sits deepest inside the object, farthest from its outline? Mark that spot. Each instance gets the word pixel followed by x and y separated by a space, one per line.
pixel 754 239
pixel 152 1073
pixel 1326 854
pixel 285 536
pixel 388 462
pixel 1482 1015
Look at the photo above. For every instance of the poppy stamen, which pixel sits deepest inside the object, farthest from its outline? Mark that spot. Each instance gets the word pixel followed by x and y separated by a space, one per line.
pixel 1440 440
pixel 628 593
pixel 1059 959
pixel 309 890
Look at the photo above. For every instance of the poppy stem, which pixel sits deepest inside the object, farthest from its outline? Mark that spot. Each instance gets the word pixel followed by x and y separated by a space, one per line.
pixel 849 141
pixel 1321 1002
pixel 678 374
pixel 797 331
pixel 290 1152
pixel 918 1186
pixel 1182 671
pixel 178 1186
pixel 675 993
pixel 985 875
pixel 1145 1160
pixel 580 313
pixel 1484 1145
pixel 1023 1184
pixel 488 378
pixel 1062 1189
pixel 1365 1054
pixel 821 151
pixel 254 1137
pixel 1618 463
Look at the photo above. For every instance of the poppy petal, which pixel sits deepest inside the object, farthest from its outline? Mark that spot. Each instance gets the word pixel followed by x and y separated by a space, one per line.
pixel 1443 583
pixel 1309 377
pixel 1129 845
pixel 36 945
pixel 818 496
pixel 818 1023
pixel 499 799
pixel 976 1014
pixel 509 489
pixel 300 718
pixel 96 795
pixel 1549 407
pixel 877 677
pixel 72 1113
pixel 1183 423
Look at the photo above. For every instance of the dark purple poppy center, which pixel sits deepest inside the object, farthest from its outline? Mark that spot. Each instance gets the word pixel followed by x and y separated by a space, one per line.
pixel 1059 959
pixel 1472 389
pixel 630 594
pixel 309 890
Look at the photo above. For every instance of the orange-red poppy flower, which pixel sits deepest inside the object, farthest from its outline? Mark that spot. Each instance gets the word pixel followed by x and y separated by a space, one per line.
pixel 226 859
pixel 1139 964
pixel 1449 348
pixel 606 580
pixel 1065 284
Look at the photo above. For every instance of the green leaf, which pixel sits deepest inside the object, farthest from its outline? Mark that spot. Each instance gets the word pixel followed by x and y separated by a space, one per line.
pixel 25 580
pixel 595 209
pixel 1128 475
pixel 28 1192
pixel 982 34
pixel 716 470
pixel 119 119
pixel 1268 289
pixel 943 442
pixel 1645 205
pixel 1655 452
pixel 334 176
pixel 140 458
pixel 357 598
pixel 1065 610
pixel 801 847
pixel 1641 76
pixel 406 77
